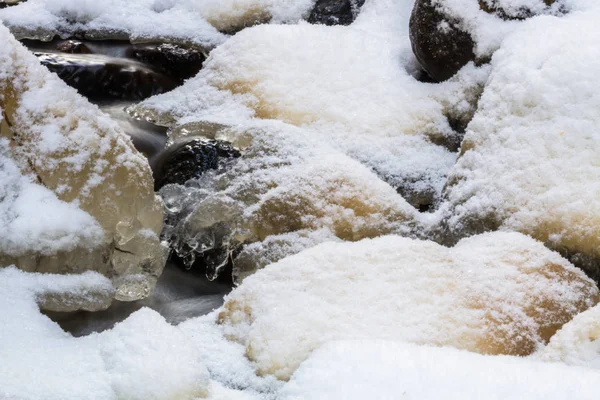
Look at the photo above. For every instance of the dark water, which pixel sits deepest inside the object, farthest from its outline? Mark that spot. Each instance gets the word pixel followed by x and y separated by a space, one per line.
pixel 179 295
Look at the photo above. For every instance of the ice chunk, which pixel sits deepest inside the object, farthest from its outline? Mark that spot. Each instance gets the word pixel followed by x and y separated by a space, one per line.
pixel 530 156
pixel 105 215
pixel 361 370
pixel 496 293
pixel 578 342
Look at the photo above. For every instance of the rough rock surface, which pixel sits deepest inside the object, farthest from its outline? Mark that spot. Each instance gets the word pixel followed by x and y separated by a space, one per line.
pixel 65 146
pixel 176 61
pixel 335 12
pixel 497 293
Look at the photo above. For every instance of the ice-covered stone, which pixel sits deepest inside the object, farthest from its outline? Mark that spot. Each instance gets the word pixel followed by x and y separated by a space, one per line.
pixel 496 293
pixel 530 156
pixel 284 182
pixel 59 149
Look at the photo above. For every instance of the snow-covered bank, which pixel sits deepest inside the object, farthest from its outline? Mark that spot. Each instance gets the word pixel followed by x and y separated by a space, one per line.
pixel 345 154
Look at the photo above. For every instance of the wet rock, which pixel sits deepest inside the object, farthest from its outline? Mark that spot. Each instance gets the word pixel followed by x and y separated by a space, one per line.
pixel 438 42
pixel 176 61
pixel 335 12
pixel 187 160
pixel 98 76
pixel 73 47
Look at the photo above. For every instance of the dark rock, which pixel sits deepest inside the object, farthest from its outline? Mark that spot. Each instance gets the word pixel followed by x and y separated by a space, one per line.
pixel 72 47
pixel 335 12
pixel 102 77
pixel 176 61
pixel 439 44
pixel 187 160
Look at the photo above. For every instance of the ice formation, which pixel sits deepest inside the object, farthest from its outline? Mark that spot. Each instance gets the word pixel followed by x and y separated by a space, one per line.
pixel 578 341
pixel 283 184
pixel 78 196
pixel 361 370
pixel 529 159
pixel 496 293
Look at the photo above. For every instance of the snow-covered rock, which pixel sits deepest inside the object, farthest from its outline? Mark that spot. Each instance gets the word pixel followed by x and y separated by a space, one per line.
pixel 530 156
pixel 374 110
pixel 578 341
pixel 497 293
pixel 361 370
pixel 195 22
pixel 76 195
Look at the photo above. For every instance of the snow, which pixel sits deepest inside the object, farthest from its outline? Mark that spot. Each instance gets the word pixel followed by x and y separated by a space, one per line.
pixel 530 156
pixel 339 141
pixel 360 370
pixel 496 293
pixel 141 358
pixel 578 341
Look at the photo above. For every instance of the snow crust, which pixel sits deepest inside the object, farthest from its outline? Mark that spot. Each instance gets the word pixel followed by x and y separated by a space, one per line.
pixel 283 185
pixel 496 293
pixel 359 370
pixel 530 156
pixel 373 111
